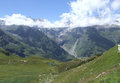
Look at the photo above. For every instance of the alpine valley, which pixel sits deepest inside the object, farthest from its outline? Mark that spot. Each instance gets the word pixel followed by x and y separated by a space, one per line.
pixel 59 55
pixel 60 41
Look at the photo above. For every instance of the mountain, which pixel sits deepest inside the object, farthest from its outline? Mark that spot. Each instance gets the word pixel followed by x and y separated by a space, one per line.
pixel 11 44
pixel 79 41
pixel 85 41
pixel 25 41
pixel 104 69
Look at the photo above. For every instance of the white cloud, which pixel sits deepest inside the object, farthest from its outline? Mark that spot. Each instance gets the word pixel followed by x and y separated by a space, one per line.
pixel 92 12
pixel 18 19
pixel 82 13
pixel 115 4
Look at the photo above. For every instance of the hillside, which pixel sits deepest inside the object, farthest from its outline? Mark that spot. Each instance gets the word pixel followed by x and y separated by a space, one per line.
pixel 11 43
pixel 25 41
pixel 15 69
pixel 104 69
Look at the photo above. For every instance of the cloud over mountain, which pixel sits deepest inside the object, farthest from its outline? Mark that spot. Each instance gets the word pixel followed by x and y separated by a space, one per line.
pixel 93 12
pixel 82 13
pixel 19 19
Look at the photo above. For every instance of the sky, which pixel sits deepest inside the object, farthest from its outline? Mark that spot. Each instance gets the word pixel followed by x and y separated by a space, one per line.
pixel 60 13
pixel 47 9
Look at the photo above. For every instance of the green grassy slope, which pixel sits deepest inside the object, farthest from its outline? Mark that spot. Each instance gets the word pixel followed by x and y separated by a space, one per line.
pixel 104 69
pixel 14 69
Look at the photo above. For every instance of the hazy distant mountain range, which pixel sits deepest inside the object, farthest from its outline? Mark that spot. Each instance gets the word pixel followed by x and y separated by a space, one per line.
pixel 59 43
pixel 85 41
